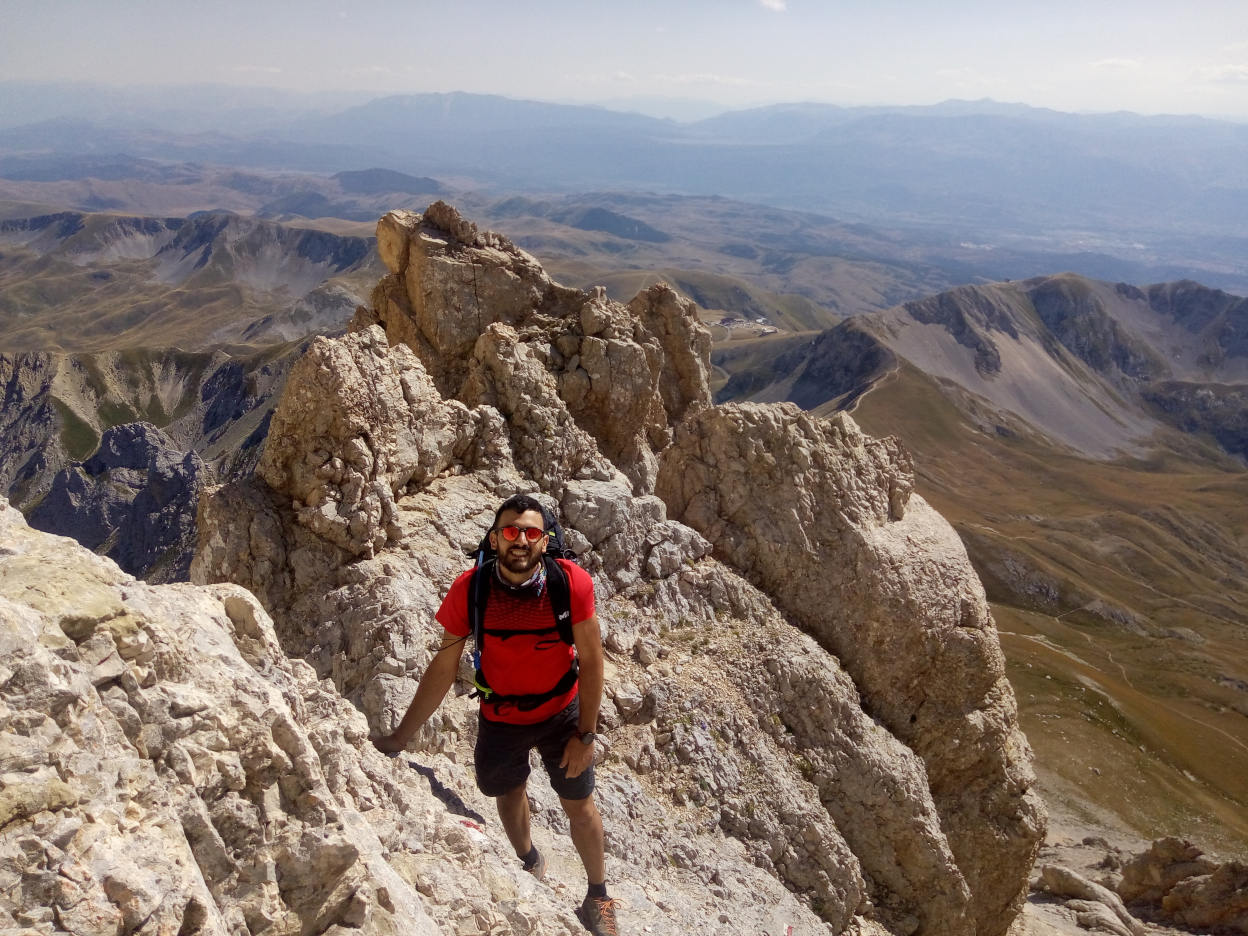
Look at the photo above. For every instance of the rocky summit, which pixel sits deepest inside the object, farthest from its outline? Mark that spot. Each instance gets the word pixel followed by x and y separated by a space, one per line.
pixel 807 727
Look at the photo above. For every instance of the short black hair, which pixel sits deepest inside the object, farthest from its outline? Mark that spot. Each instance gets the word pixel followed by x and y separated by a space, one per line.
pixel 521 503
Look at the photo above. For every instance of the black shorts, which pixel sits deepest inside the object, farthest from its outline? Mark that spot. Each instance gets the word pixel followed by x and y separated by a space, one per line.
pixel 502 754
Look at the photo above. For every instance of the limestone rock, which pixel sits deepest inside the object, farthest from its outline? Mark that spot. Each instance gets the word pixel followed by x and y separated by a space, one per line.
pixel 1148 877
pixel 160 766
pixel 165 767
pixel 625 374
pixel 358 422
pixel 448 282
pixel 1176 882
pixel 33 449
pixel 822 518
pixel 686 346
pixel 1217 902
pixel 1097 907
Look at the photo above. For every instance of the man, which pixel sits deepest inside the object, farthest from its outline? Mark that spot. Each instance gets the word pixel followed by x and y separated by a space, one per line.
pixel 522 658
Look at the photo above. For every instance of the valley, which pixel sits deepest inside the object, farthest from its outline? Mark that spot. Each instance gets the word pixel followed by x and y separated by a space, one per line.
pixel 1117 587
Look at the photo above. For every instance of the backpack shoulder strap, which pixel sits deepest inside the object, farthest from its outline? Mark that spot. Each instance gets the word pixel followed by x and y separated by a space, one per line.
pixel 560 598
pixel 478 595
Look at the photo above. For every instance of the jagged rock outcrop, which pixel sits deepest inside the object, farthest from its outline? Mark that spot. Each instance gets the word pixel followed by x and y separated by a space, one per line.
pixel 32 451
pixel 879 773
pixel 134 501
pixel 623 374
pixel 824 520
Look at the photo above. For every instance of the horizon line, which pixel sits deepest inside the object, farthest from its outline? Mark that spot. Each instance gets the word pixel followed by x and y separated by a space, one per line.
pixel 714 108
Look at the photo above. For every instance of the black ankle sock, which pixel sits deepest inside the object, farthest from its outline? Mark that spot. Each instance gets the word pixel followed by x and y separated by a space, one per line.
pixel 531 858
pixel 598 890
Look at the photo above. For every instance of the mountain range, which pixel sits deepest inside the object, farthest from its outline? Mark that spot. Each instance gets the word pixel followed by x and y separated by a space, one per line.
pixel 1000 177
pixel 1096 367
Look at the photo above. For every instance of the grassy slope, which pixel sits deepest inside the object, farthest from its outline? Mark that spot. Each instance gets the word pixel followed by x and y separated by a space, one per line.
pixel 1116 587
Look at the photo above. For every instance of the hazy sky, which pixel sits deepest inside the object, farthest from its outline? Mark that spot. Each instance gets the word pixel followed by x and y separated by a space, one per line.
pixel 1141 55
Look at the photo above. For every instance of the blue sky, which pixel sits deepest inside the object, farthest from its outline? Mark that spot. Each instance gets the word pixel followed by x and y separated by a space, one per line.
pixel 1092 55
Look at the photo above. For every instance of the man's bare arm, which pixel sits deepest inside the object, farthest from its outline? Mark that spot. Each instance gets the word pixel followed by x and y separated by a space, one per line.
pixel 587 636
pixel 432 689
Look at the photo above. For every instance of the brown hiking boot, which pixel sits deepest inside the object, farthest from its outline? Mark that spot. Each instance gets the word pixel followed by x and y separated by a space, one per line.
pixel 598 915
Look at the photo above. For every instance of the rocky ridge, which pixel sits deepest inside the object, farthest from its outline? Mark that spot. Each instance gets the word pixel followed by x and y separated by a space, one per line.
pixel 165 766
pixel 1097 367
pixel 821 760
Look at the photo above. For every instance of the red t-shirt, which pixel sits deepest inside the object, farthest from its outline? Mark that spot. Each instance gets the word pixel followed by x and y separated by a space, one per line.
pixel 527 663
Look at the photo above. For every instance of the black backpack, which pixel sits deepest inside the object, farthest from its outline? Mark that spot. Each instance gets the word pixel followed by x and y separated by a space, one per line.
pixel 560 602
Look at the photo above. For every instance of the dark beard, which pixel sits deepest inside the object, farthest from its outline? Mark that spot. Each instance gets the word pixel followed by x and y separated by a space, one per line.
pixel 520 564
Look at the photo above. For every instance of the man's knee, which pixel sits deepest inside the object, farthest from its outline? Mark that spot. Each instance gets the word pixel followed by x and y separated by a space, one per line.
pixel 513 797
pixel 580 809
pixel 520 789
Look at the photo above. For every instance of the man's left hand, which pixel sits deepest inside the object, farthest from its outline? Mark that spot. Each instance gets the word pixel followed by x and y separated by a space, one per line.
pixel 577 757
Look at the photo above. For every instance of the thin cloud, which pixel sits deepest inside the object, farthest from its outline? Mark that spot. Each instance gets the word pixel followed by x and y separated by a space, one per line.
pixel 377 72
pixel 1118 64
pixel 618 77
pixel 776 6
pixel 1225 74
pixel 707 78
pixel 257 69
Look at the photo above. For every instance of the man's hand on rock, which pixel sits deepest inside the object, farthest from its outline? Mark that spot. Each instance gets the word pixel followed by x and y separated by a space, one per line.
pixel 389 744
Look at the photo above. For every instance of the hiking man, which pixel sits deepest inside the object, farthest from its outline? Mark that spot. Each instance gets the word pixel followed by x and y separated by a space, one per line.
pixel 523 654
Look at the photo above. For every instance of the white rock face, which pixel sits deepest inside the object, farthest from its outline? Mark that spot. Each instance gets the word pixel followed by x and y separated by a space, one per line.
pixel 822 518
pixel 863 769
pixel 166 768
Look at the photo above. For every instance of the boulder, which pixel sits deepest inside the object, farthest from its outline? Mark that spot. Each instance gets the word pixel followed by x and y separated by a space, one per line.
pixel 1148 877
pixel 1096 906
pixel 1217 902
pixel 1177 883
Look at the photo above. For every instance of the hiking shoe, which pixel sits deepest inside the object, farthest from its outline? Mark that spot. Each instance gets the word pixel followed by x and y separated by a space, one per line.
pixel 538 868
pixel 598 915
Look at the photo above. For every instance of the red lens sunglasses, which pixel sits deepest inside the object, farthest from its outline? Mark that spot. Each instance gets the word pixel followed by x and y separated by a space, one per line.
pixel 513 533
